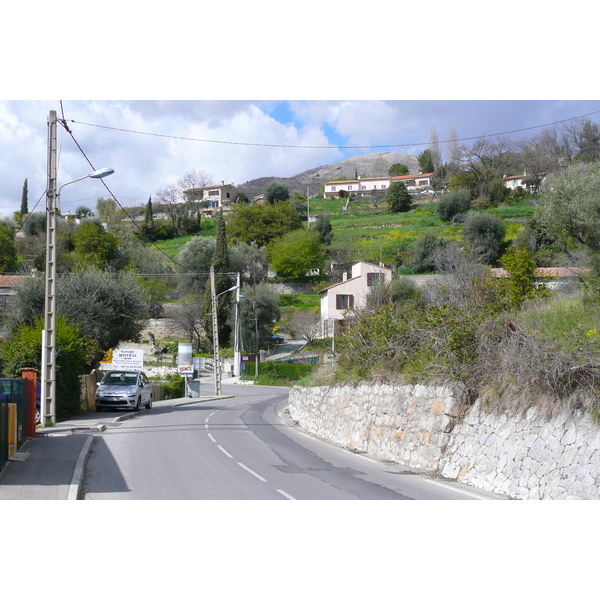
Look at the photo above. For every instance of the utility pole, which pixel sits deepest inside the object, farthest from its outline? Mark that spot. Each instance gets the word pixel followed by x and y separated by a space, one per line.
pixel 237 345
pixel 48 375
pixel 215 326
pixel 256 355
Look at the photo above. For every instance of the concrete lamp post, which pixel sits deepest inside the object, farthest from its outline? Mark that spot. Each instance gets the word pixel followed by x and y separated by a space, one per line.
pixel 48 366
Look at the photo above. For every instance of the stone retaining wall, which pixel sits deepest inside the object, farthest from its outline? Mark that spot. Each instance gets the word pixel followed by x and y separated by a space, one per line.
pixel 427 428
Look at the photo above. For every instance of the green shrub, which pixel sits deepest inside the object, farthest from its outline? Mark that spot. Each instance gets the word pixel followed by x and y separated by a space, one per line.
pixel 455 203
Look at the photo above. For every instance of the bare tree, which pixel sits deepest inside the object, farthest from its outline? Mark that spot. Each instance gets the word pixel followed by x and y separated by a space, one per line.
pixel 434 149
pixel 190 319
pixel 181 200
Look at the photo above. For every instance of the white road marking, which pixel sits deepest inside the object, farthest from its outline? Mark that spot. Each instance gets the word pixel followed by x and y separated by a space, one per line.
pixel 206 420
pixel 286 495
pixel 252 472
pixel 224 451
pixel 212 438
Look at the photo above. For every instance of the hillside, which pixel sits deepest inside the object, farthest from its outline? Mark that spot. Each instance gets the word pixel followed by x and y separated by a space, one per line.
pixel 369 165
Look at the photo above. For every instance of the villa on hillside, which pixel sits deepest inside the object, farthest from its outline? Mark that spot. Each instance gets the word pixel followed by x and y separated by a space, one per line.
pixel 365 186
pixel 217 196
pixel 512 182
pixel 350 294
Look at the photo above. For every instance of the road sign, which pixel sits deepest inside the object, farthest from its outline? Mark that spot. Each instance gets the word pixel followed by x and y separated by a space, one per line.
pixel 186 370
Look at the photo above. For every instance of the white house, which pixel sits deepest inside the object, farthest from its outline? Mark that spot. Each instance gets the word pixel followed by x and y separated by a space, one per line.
pixel 514 181
pixel 340 299
pixel 217 196
pixel 365 186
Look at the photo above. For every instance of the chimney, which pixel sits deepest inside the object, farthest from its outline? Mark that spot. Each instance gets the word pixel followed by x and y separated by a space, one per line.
pixel 344 276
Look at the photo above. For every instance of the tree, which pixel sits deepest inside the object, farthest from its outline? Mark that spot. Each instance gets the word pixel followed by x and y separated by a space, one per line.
pixel 194 261
pixel 454 154
pixel 569 208
pixel 397 169
pixel 148 216
pixel 249 259
pixel 107 308
pixel 434 150
pixel 223 282
pixel 582 138
pixel 276 192
pixel 487 161
pixel 324 229
pixel 8 251
pixel 296 252
pixel 83 212
pixel 484 233
pixel 521 266
pixel 454 203
pixel 182 201
pixel 108 211
pixel 266 302
pixel 426 161
pixel 24 210
pixel 398 197
pixel 94 246
pixel 262 223
pixel 422 252
pixel 75 354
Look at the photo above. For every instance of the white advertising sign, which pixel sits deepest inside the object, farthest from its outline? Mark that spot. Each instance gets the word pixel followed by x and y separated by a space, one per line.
pixel 128 359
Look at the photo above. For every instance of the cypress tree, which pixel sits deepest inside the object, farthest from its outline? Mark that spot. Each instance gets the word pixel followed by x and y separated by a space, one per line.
pixel 223 282
pixel 24 209
pixel 149 220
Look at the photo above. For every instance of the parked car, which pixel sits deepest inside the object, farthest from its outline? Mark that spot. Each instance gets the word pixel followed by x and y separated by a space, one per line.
pixel 124 389
pixel 277 339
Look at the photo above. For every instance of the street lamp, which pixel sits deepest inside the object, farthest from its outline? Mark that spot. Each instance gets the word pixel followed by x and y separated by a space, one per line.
pixel 48 370
pixel 216 351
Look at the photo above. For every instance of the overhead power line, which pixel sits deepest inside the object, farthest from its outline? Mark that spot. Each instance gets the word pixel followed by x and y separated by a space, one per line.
pixel 329 147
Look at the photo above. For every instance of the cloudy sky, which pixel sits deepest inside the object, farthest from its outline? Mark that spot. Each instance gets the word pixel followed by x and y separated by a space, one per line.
pixel 152 143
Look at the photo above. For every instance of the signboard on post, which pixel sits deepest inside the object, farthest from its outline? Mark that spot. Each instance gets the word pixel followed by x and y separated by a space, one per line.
pixel 185 361
pixel 186 370
pixel 127 359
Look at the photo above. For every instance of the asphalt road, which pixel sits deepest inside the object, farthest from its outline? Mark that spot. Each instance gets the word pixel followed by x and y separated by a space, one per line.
pixel 241 448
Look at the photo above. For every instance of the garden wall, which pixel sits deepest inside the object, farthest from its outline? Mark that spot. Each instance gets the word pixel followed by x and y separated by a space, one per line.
pixel 427 428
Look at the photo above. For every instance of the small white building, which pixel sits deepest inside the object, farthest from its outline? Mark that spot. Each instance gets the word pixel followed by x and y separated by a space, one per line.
pixel 339 300
pixel 512 182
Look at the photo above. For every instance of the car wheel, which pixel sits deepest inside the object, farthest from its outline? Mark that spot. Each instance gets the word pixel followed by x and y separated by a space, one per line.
pixel 38 417
pixel 138 404
pixel 149 405
pixel 98 409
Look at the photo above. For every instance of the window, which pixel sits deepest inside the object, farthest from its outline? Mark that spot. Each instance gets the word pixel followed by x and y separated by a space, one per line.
pixel 333 188
pixel 423 182
pixel 374 278
pixel 349 188
pixel 228 195
pixel 343 301
pixel 213 193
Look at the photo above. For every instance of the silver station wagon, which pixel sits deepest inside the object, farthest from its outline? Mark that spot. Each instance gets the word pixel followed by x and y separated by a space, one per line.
pixel 124 389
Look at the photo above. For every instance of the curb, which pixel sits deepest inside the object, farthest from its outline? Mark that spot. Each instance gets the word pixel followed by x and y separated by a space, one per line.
pixel 78 472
